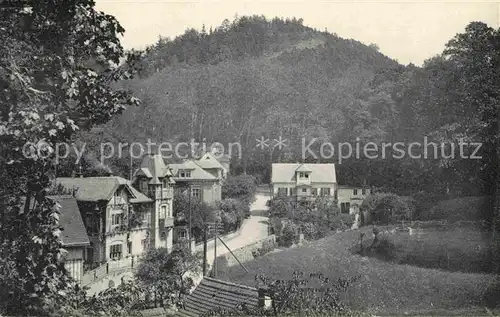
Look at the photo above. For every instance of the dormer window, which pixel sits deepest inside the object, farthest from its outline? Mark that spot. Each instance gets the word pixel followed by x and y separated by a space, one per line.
pixel 185 174
pixel 303 175
pixel 143 185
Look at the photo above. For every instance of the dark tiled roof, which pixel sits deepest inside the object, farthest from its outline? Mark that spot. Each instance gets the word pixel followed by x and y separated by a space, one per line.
pixel 197 173
pixel 100 188
pixel 74 233
pixel 153 167
pixel 211 294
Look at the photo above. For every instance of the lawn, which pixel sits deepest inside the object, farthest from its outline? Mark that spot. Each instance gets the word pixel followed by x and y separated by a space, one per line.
pixel 384 288
pixel 462 249
pixel 463 208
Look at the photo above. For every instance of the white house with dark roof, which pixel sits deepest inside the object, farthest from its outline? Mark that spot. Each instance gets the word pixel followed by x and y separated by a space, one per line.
pixel 117 218
pixel 302 181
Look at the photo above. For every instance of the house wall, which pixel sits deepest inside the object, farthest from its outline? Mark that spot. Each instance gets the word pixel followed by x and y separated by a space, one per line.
pixel 346 195
pixel 73 262
pixel 318 186
pixel 216 172
pixel 158 232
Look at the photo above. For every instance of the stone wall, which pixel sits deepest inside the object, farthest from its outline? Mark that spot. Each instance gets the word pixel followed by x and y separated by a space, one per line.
pixel 244 254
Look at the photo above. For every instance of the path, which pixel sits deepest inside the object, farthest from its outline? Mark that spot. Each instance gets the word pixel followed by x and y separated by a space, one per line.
pixel 253 229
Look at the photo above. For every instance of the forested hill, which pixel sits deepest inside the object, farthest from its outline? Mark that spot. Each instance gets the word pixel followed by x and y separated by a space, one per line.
pixel 254 77
pixel 246 37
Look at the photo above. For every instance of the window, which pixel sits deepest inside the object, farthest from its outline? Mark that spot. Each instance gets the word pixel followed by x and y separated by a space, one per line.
pixel 344 208
pixel 163 212
pixel 144 185
pixel 363 191
pixel 115 251
pixel 163 235
pixel 185 174
pixel 325 191
pixel 301 175
pixel 196 193
pixel 355 192
pixel 306 175
pixel 314 191
pixel 117 196
pixel 293 191
pixel 129 247
pixel 116 219
pixel 304 190
pixel 282 191
pixel 169 211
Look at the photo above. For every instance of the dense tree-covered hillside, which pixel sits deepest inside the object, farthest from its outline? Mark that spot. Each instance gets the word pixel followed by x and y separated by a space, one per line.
pixel 256 78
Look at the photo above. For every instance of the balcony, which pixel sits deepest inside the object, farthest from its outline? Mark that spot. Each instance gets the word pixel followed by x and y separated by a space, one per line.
pixel 165 193
pixel 303 181
pixel 165 223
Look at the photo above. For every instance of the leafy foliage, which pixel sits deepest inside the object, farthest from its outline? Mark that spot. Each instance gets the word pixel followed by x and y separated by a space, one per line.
pixel 386 207
pixel 163 273
pixel 201 213
pixel 58 63
pixel 243 188
pixel 233 211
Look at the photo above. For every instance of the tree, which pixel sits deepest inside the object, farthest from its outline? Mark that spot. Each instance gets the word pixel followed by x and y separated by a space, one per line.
pixel 201 213
pixel 243 188
pixel 233 213
pixel 387 207
pixel 58 63
pixel 475 56
pixel 163 273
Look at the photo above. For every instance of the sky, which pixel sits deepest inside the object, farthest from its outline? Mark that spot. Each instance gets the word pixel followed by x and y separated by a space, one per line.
pixel 407 31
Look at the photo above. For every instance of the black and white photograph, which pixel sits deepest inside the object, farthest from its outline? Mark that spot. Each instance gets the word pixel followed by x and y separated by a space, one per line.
pixel 198 158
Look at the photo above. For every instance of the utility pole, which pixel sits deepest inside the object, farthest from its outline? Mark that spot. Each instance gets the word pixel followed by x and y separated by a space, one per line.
pixel 190 219
pixel 205 252
pixel 215 251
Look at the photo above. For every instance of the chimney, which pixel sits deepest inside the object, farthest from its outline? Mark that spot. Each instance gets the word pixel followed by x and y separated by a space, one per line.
pixel 79 171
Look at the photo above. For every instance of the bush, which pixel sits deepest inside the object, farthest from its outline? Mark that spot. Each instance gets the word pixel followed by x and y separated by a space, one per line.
pixel 342 221
pixel 289 235
pixel 387 207
pixel 242 187
pixel 280 207
pixel 266 247
pixel 233 213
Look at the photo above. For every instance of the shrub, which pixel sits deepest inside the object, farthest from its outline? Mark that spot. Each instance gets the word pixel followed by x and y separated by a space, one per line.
pixel 279 207
pixel 289 235
pixel 233 212
pixel 267 246
pixel 386 207
pixel 342 221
